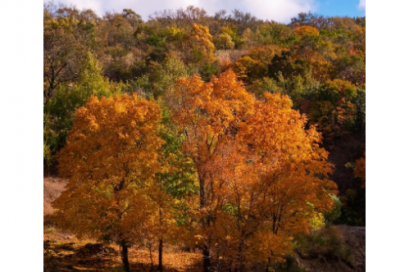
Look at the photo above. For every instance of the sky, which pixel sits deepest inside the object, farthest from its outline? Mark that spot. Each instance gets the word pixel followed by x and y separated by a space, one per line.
pixel 278 10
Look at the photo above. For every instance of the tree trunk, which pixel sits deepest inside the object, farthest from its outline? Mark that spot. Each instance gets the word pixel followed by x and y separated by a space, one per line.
pixel 151 257
pixel 160 257
pixel 206 250
pixel 124 256
pixel 240 265
pixel 206 259
pixel 269 262
pixel 160 246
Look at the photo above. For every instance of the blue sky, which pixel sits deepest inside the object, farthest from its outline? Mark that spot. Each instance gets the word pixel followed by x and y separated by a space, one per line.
pixel 278 10
pixel 340 8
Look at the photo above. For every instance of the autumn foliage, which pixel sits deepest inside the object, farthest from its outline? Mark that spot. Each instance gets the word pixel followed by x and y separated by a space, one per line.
pixel 306 30
pixel 199 46
pixel 262 176
pixel 222 134
pixel 110 160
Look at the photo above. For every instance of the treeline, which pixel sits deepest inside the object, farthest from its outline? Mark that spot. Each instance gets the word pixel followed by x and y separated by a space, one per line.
pixel 210 109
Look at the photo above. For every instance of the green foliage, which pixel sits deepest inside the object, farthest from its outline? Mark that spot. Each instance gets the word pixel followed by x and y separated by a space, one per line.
pixel 254 64
pixel 179 180
pixel 223 41
pixel 326 242
pixel 259 87
pixel 238 41
pixel 155 40
pixel 178 177
pixel 276 33
pixel 208 70
pixel 160 77
pixel 333 107
pixel 60 109
pixel 336 211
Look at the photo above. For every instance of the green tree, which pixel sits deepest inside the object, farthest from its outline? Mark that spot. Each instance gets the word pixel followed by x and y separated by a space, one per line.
pixel 59 112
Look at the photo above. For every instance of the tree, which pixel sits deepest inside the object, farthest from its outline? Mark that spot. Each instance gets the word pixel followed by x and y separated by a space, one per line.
pixel 287 182
pixel 60 53
pixel 208 115
pixel 110 160
pixel 266 184
pixel 198 45
pixel 262 176
pixel 161 77
pixel 68 34
pixel 224 41
pixel 333 107
pixel 306 30
pixel 276 33
pixel 60 109
pixel 254 64
pixel 174 187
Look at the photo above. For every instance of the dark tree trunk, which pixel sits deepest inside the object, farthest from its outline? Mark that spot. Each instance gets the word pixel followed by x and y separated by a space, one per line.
pixel 240 265
pixel 160 246
pixel 204 221
pixel 160 257
pixel 269 262
pixel 206 258
pixel 124 256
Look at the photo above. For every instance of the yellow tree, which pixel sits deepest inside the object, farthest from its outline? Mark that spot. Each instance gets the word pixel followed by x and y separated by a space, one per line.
pixel 198 45
pixel 209 115
pixel 110 160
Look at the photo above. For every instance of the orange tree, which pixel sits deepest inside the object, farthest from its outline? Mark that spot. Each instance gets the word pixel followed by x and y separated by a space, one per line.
pixel 262 176
pixel 111 159
pixel 280 187
pixel 208 115
pixel 266 184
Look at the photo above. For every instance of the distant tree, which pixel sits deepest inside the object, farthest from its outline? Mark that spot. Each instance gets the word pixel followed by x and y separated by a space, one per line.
pixel 275 33
pixel 161 76
pixel 306 30
pixel 198 45
pixel 60 109
pixel 61 53
pixel 224 41
pixel 333 108
pixel 233 33
pixel 254 64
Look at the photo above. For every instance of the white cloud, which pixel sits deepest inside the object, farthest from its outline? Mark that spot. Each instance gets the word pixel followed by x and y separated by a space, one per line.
pixel 281 10
pixel 361 5
pixel 278 10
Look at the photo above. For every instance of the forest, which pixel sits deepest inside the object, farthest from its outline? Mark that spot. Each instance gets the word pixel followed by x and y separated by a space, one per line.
pixel 235 139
